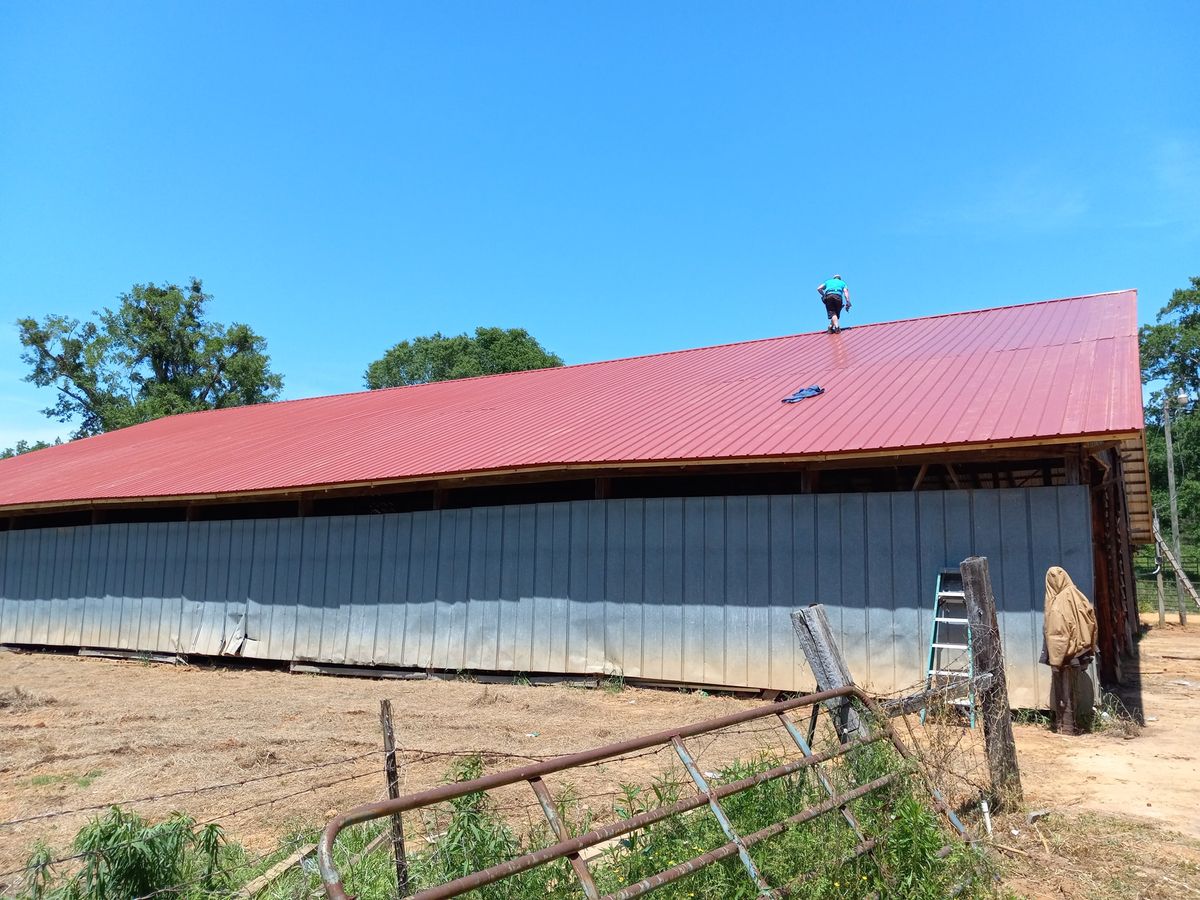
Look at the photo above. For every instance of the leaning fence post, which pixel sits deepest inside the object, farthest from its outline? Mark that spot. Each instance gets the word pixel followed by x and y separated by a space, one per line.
pixel 993 698
pixel 827 664
pixel 393 787
pixel 1158 564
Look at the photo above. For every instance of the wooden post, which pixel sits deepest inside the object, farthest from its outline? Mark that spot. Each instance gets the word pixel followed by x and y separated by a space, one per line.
pixel 828 667
pixel 1158 564
pixel 393 786
pixel 992 699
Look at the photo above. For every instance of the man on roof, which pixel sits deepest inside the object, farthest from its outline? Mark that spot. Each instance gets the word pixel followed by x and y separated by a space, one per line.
pixel 835 295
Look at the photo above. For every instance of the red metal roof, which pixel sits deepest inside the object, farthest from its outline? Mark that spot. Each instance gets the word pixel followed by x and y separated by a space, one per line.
pixel 1040 371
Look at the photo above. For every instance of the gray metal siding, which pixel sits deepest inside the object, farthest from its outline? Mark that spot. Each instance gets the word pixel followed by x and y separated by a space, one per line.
pixel 695 590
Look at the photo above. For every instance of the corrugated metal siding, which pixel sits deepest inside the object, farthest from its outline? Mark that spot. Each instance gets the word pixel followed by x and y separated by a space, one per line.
pixel 695 590
pixel 1066 368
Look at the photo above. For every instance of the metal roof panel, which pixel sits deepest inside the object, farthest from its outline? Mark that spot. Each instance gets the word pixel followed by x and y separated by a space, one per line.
pixel 1018 373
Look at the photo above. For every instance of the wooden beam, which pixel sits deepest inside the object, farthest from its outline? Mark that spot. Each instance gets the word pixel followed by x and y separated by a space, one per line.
pixel 263 881
pixel 1000 747
pixel 920 476
pixel 1073 467
pixel 828 666
pixel 984 450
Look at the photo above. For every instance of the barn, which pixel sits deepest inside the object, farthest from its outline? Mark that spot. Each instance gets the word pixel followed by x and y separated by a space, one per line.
pixel 656 517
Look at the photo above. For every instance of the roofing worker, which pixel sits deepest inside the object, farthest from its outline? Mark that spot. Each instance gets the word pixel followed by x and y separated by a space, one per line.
pixel 835 293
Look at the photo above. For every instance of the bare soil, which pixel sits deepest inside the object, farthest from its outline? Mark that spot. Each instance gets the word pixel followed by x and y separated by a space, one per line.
pixel 78 732
pixel 1153 776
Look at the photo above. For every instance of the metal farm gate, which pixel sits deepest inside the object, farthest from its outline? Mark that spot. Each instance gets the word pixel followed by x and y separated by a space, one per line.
pixel 874 727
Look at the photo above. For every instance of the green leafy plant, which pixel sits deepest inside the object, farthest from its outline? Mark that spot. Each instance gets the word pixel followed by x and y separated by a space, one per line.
pixel 122 856
pixel 613 683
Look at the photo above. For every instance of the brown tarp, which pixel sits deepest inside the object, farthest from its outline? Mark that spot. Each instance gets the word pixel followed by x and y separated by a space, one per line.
pixel 1070 625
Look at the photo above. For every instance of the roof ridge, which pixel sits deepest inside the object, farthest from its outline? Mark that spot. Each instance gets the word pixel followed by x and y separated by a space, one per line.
pixel 637 356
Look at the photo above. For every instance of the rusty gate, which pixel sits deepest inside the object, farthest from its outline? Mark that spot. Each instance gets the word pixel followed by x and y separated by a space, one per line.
pixel 871 729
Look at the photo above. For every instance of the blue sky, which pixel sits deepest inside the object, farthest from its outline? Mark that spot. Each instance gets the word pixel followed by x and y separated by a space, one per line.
pixel 619 178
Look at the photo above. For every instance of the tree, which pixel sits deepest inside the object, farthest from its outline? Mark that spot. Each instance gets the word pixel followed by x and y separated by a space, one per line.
pixel 437 357
pixel 154 355
pixel 26 447
pixel 1170 357
pixel 1170 349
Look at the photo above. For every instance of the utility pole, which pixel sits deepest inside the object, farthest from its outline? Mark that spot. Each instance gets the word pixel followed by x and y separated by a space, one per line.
pixel 1174 500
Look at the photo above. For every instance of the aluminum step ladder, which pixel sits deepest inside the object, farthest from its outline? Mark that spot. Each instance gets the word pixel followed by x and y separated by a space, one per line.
pixel 950 656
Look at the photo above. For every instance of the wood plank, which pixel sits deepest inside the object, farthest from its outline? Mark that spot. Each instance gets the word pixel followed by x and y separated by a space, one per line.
pixel 311 668
pixel 828 666
pixel 168 658
pixel 263 881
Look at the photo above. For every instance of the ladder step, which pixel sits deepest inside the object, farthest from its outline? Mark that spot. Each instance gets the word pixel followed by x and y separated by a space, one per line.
pixel 946 595
pixel 960 672
pixel 952 620
pixel 951 647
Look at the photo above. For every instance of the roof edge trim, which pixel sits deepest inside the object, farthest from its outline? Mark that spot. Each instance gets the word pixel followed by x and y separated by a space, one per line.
pixel 471 475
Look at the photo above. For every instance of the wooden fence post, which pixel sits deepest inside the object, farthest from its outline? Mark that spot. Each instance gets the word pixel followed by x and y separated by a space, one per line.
pixel 393 786
pixel 1158 564
pixel 827 664
pixel 993 698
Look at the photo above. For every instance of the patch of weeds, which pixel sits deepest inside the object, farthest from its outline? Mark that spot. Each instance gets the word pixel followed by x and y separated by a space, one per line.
pixel 81 781
pixel 522 680
pixel 16 699
pixel 1112 717
pixel 122 855
pixel 613 683
pixel 1030 717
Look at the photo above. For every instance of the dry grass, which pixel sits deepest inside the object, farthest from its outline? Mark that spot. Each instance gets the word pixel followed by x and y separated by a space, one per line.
pixel 18 700
pixel 1088 856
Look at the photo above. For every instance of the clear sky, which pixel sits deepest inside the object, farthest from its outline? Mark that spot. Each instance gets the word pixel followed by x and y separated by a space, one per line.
pixel 619 178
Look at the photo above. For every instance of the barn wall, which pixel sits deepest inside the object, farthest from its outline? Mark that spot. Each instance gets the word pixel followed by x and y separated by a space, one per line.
pixel 695 590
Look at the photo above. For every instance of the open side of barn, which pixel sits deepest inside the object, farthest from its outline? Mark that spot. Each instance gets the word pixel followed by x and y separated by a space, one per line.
pixel 663 537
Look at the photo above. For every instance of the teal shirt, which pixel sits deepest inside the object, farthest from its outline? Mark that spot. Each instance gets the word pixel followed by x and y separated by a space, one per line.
pixel 835 284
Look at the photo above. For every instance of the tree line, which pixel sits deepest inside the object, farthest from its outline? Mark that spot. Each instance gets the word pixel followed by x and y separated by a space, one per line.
pixel 157 353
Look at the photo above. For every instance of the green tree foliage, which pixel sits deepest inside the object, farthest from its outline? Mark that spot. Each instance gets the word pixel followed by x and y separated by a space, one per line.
pixel 440 358
pixel 26 447
pixel 154 355
pixel 1171 347
pixel 1170 356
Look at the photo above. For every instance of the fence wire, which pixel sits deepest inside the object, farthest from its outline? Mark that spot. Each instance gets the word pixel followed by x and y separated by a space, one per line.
pixel 951 753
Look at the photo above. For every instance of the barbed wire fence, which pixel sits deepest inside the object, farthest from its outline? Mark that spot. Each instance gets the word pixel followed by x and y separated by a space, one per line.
pixel 434 764
pixel 951 754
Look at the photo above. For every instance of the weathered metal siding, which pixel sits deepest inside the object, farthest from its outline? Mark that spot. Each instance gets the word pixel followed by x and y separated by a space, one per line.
pixel 694 590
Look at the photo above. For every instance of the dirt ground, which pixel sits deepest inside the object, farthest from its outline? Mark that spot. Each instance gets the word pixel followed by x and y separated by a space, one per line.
pixel 82 732
pixel 1155 775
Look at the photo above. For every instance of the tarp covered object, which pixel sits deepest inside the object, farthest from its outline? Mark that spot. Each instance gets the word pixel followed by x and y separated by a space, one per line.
pixel 1070 621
